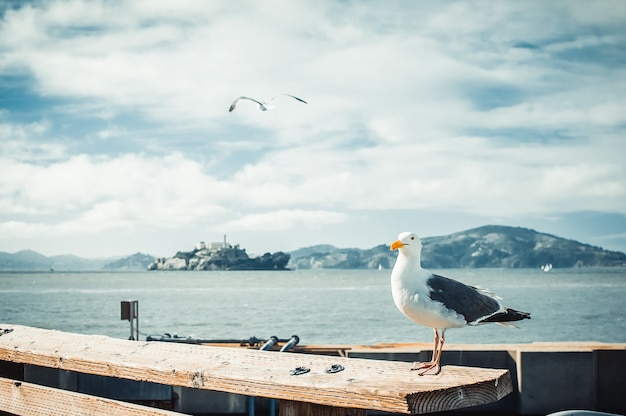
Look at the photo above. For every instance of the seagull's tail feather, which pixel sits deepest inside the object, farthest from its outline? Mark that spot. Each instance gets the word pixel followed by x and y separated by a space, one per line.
pixel 508 315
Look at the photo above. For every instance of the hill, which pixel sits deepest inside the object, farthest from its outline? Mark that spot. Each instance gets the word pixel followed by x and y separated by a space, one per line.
pixel 487 246
pixel 29 260
pixel 135 262
pixel 24 260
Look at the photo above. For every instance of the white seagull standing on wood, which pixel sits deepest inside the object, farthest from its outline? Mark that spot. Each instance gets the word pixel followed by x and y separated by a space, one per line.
pixel 265 105
pixel 439 302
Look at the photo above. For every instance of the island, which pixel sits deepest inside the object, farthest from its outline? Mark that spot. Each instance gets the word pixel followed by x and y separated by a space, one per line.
pixel 220 256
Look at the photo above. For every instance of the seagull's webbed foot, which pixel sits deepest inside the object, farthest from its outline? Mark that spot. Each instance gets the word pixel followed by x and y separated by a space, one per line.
pixel 418 365
pixel 431 370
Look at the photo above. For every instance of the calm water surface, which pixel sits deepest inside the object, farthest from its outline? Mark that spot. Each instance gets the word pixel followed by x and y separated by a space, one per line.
pixel 320 306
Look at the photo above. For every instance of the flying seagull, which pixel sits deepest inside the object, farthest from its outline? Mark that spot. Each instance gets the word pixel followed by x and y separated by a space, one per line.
pixel 439 302
pixel 263 106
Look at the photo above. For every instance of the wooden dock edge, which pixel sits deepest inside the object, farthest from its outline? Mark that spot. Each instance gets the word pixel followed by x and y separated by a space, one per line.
pixel 363 384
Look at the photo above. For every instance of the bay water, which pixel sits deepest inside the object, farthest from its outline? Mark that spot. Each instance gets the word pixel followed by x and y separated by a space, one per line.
pixel 320 306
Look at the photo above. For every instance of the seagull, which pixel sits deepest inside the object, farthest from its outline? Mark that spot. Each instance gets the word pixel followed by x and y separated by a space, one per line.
pixel 263 106
pixel 439 302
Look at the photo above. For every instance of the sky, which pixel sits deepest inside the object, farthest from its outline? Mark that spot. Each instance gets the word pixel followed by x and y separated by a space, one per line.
pixel 432 117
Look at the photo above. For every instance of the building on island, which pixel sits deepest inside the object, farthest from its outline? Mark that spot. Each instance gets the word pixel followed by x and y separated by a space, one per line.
pixel 213 245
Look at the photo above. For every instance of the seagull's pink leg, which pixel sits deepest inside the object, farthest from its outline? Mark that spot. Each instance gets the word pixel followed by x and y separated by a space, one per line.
pixel 418 365
pixel 434 367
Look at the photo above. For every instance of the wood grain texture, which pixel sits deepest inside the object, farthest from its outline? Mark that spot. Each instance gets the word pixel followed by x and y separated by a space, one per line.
pixel 26 399
pixel 364 384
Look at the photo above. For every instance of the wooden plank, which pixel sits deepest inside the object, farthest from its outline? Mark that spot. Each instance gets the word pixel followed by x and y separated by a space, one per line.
pixel 26 399
pixel 364 384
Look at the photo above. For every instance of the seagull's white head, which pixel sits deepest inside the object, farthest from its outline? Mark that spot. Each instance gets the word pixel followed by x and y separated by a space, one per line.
pixel 408 243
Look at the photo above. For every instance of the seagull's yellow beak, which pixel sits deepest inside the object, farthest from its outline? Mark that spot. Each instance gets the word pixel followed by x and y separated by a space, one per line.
pixel 396 245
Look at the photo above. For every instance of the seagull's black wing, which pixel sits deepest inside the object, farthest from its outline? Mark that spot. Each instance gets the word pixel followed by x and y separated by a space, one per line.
pixel 465 300
pixel 475 304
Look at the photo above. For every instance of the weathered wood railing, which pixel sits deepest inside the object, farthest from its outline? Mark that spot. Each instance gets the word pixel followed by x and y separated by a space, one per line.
pixel 363 384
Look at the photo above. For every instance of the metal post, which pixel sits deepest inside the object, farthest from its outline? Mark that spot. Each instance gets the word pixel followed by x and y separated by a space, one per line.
pixel 269 343
pixel 130 312
pixel 251 409
pixel 293 341
pixel 136 304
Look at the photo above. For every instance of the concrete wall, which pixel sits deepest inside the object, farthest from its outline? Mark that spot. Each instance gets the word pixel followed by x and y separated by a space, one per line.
pixel 553 381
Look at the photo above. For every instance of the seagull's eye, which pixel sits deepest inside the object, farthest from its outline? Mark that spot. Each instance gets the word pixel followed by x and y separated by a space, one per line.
pixel 412 238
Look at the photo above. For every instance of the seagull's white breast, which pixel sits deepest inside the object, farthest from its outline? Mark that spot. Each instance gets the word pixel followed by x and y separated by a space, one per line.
pixel 411 295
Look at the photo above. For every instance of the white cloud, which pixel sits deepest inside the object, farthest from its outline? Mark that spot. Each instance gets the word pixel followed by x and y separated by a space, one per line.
pixel 282 220
pixel 87 193
pixel 110 132
pixel 25 142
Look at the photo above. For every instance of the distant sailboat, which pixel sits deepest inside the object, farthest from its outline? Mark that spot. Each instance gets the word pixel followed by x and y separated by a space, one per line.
pixel 546 267
pixel 380 266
